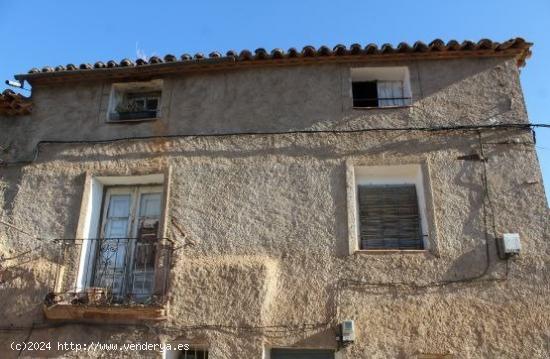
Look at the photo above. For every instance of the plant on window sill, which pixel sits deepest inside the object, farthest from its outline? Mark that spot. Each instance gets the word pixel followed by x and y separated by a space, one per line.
pixel 131 111
pixel 100 297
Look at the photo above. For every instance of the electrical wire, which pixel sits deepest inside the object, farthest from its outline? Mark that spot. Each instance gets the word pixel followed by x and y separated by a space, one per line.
pixel 272 331
pixel 26 340
pixel 486 197
pixel 289 328
pixel 36 150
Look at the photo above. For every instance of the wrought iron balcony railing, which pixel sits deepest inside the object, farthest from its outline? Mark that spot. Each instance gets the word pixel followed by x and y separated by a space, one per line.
pixel 113 271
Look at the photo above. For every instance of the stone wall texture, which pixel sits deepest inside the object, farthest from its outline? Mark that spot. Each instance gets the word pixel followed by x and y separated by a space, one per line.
pixel 266 215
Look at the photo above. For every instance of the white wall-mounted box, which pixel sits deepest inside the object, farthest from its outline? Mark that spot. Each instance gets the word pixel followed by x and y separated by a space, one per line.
pixel 511 243
pixel 348 331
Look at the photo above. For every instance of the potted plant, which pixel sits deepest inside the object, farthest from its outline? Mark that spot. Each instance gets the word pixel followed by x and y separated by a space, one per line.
pixel 131 110
pixel 97 295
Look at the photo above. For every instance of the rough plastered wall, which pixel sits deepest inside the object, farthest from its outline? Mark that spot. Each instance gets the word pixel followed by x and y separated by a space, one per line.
pixel 265 217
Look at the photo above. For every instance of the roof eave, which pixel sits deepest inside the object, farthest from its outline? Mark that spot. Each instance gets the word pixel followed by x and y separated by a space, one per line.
pixel 520 52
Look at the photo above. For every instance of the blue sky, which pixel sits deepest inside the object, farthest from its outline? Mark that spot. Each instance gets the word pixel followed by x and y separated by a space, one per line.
pixel 38 33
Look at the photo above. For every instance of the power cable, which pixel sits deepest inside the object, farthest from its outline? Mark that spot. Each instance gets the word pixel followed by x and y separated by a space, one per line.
pixel 278 133
pixel 286 328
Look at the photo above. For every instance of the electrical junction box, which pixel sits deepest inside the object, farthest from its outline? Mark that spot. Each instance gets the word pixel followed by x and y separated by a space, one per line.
pixel 348 331
pixel 511 244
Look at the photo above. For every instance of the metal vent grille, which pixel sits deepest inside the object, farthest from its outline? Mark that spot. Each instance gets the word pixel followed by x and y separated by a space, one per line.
pixel 389 217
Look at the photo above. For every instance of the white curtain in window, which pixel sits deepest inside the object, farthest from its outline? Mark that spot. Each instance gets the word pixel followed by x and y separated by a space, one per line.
pixel 390 93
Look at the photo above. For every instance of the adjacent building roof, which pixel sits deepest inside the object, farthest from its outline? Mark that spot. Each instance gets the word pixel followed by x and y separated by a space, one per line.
pixel 517 48
pixel 12 104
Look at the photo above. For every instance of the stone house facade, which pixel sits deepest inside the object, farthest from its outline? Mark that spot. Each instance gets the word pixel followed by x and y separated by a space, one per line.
pixel 354 202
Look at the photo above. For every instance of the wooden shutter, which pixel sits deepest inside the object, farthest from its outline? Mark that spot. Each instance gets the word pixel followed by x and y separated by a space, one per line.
pixel 389 217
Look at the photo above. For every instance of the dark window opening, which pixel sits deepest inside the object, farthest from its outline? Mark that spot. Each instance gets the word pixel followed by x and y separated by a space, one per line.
pixel 194 354
pixel 302 354
pixel 365 94
pixel 389 217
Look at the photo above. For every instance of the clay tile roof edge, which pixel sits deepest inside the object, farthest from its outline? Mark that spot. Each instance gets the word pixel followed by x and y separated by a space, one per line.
pixel 13 104
pixel 516 47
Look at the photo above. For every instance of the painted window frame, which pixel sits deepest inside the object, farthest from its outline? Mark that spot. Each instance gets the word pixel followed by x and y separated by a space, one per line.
pixel 411 173
pixel 388 74
pixel 135 192
pixel 91 215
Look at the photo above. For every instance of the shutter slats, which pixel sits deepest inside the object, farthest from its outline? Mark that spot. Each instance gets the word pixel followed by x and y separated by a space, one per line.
pixel 389 217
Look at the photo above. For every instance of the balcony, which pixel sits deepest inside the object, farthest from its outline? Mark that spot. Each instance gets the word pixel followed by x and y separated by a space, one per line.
pixel 114 279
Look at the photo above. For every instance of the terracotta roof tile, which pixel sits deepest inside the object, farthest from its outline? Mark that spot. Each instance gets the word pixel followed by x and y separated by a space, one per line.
pixel 170 58
pixel 13 104
pixel 517 47
pixel 277 53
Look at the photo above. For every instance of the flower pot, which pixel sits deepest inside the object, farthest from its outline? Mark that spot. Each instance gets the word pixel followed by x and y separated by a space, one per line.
pixel 96 295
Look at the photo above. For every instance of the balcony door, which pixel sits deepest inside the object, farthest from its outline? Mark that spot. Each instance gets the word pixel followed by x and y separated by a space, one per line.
pixel 126 250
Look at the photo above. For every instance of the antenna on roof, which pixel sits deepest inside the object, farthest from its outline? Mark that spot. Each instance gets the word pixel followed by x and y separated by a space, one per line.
pixel 16 84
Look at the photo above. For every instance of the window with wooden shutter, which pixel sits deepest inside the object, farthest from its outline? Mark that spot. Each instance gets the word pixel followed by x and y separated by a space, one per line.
pixel 389 217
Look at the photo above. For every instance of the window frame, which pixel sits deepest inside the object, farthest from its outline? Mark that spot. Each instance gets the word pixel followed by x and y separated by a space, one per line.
pixel 385 243
pixel 120 92
pixel 382 74
pixel 417 174
pixel 194 349
pixel 91 216
pixel 135 192
pixel 175 353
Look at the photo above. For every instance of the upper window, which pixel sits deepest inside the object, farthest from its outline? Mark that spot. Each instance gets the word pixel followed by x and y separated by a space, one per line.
pixel 380 87
pixel 135 101
pixel 390 207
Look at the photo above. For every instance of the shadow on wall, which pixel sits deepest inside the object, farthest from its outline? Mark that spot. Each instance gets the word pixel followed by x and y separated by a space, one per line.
pixel 338 189
pixel 469 264
pixel 437 76
pixel 368 144
pixel 10 184
pixel 31 266
pixel 23 293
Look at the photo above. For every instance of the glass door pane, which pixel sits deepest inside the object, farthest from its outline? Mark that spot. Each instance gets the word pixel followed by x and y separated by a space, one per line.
pixel 111 259
pixel 143 269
